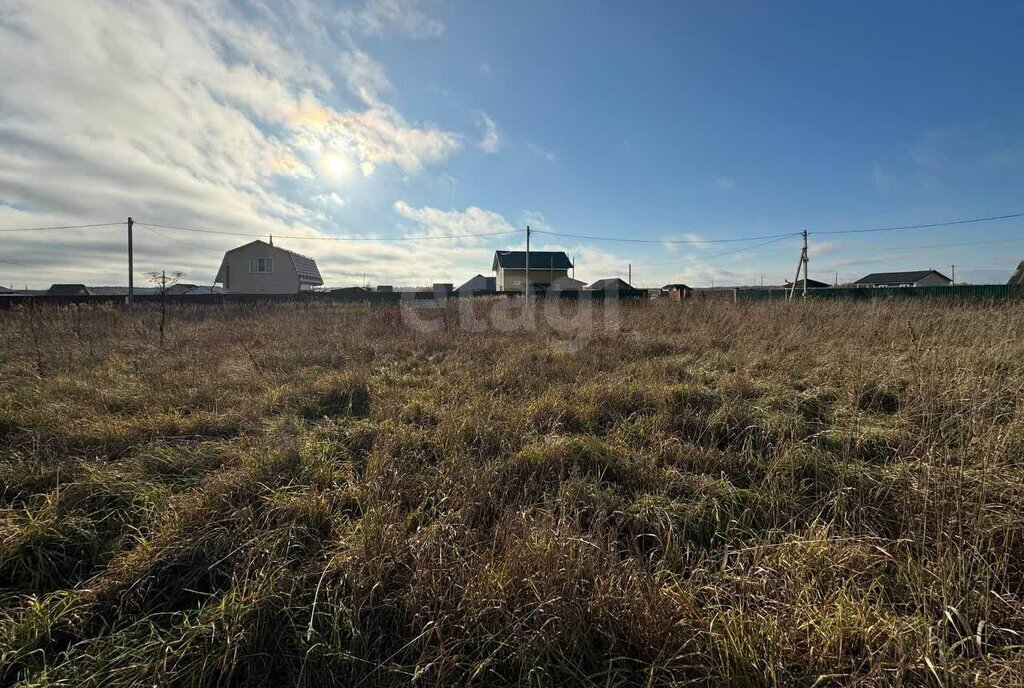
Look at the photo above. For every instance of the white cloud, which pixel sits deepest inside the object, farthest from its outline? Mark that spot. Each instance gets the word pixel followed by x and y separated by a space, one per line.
pixel 195 115
pixel 472 220
pixel 535 220
pixel 490 141
pixel 672 243
pixel 540 151
pixel 391 17
pixel 330 199
pixel 366 78
pixel 820 249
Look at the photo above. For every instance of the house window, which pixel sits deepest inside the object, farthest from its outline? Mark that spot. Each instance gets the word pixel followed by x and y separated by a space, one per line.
pixel 261 265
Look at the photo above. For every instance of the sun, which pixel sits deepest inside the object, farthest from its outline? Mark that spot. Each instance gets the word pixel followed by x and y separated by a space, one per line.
pixel 337 166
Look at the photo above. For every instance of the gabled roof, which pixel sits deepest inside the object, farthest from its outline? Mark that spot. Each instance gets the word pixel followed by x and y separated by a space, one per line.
pixel 179 288
pixel 539 260
pixel 1018 275
pixel 68 290
pixel 678 287
pixel 305 266
pixel 890 278
pixel 479 283
pixel 811 284
pixel 567 284
pixel 608 284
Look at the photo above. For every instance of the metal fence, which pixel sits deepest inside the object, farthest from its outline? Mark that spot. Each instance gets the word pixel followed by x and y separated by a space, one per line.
pixel 344 295
pixel 966 292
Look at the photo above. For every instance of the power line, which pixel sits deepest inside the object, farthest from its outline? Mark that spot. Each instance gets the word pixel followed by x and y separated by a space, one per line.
pixel 925 226
pixel 667 241
pixel 76 273
pixel 921 247
pixel 327 238
pixel 723 253
pixel 180 241
pixel 773 236
pixel 41 229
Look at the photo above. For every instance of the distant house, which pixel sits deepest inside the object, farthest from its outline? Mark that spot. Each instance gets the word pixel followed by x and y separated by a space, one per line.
pixel 121 291
pixel 479 284
pixel 545 268
pixel 610 284
pixel 5 290
pixel 179 289
pixel 676 292
pixel 811 284
pixel 1018 275
pixel 68 290
pixel 917 278
pixel 262 268
pixel 350 291
pixel 567 284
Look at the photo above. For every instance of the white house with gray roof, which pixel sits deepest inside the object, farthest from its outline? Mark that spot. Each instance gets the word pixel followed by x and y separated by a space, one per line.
pixel 262 268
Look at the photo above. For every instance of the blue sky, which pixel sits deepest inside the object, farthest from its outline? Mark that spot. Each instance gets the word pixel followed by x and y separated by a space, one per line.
pixel 395 118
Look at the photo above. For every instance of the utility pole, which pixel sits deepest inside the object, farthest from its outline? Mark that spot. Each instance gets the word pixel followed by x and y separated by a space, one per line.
pixel 805 263
pixel 836 282
pixel 527 263
pixel 131 265
pixel 954 275
pixel 801 264
pixel 629 279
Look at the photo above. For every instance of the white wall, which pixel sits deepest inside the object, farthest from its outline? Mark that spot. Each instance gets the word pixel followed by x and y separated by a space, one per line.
pixel 283 280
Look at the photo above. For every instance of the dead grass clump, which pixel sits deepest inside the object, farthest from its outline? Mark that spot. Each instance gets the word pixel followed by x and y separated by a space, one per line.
pixel 873 397
pixel 337 395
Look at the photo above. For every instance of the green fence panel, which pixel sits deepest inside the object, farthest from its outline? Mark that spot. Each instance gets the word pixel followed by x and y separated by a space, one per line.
pixel 969 292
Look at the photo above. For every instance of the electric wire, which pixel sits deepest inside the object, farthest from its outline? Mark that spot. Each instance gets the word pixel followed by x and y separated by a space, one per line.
pixel 76 273
pixel 42 229
pixel 923 226
pixel 664 241
pixel 181 241
pixel 327 238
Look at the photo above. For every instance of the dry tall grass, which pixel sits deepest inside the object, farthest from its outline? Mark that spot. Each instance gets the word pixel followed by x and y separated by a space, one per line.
pixel 819 495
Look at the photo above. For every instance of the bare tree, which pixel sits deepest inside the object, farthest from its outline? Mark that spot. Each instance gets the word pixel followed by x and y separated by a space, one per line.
pixel 163 284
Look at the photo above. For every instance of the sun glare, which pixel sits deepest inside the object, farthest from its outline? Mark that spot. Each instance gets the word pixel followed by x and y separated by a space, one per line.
pixel 337 166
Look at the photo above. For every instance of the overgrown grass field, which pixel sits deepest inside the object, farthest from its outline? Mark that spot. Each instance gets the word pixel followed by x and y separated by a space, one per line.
pixel 819 494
